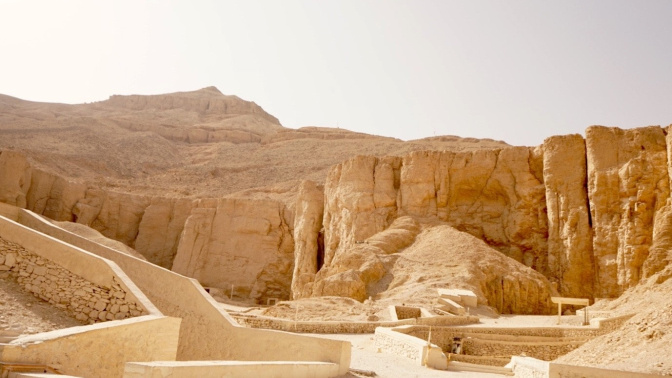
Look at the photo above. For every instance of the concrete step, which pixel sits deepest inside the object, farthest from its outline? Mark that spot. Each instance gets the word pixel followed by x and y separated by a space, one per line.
pixel 477 368
pixel 480 360
pixel 213 369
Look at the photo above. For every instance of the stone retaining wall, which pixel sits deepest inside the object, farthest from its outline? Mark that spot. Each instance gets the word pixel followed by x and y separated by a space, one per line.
pixel 328 327
pixel 83 300
pixel 420 351
pixel 480 360
pixel 206 332
pixel 546 351
pixel 405 312
pixel 444 335
pixel 546 343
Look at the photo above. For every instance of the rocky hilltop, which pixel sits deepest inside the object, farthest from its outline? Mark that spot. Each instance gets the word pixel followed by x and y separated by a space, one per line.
pixel 213 187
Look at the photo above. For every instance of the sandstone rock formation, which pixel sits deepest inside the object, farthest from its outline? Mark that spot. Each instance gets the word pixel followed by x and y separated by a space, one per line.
pixel 570 258
pixel 309 238
pixel 199 181
pixel 245 243
pixel 628 183
pixel 496 195
pixel 409 260
pixel 590 215
pixel 15 178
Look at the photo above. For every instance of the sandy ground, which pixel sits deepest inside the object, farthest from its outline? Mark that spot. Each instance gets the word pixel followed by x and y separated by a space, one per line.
pixel 23 313
pixel 366 357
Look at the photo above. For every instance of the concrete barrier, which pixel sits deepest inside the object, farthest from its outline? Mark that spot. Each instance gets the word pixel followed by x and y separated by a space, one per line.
pixel 327 327
pixel 423 353
pixel 207 332
pixel 218 369
pixel 98 350
pixel 90 267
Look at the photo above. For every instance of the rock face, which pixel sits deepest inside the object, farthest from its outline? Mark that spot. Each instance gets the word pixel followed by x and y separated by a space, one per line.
pixel 160 228
pixel 245 243
pixel 592 215
pixel 570 258
pixel 15 178
pixel 308 237
pixel 628 184
pixel 496 195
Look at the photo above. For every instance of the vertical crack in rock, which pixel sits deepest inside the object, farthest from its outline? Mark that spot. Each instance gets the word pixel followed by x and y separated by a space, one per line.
pixel 307 234
pixel 570 262
pixel 625 167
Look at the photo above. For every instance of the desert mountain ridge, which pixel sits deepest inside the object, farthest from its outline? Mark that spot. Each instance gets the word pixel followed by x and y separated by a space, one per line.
pixel 195 144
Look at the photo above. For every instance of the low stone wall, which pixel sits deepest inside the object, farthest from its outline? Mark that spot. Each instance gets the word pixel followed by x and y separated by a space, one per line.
pixel 546 351
pixel 405 312
pixel 83 300
pixel 207 332
pixel 410 347
pixel 216 369
pixel 527 367
pixel 76 264
pixel 345 327
pixel 98 350
pixel 546 343
pixel 444 335
pixel 611 324
pixel 479 360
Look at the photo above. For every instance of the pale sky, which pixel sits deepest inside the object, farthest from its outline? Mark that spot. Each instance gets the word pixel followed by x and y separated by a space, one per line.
pixel 517 71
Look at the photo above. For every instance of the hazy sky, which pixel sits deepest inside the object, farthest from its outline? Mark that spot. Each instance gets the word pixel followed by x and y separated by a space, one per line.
pixel 518 71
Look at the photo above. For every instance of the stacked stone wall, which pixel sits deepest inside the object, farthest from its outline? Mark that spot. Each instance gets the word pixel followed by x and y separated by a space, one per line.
pixel 546 351
pixel 404 312
pixel 328 327
pixel 83 300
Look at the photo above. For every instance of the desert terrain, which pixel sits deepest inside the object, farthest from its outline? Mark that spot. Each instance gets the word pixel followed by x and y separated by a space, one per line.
pixel 337 225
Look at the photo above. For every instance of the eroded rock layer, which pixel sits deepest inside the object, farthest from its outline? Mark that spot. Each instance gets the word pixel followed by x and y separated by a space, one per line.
pixel 222 242
pixel 239 242
pixel 591 215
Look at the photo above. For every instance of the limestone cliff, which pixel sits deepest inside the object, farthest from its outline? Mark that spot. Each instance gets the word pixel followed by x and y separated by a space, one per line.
pixel 495 195
pixel 628 183
pixel 570 258
pixel 308 235
pixel 590 215
pixel 245 243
